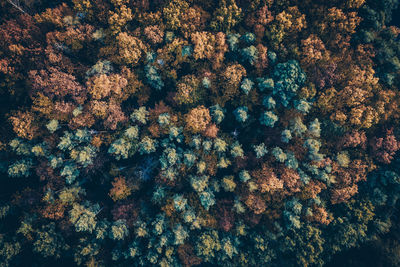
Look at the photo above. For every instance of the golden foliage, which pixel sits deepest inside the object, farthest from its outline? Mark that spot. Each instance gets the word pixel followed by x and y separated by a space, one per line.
pixel 198 119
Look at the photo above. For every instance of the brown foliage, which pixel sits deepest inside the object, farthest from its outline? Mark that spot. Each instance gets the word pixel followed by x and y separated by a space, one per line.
pixel 256 203
pixel 126 49
pixel 197 119
pixel 120 189
pixel 57 85
pixel 187 256
pixel 53 211
pixel 267 179
pixel 24 125
pixel 343 194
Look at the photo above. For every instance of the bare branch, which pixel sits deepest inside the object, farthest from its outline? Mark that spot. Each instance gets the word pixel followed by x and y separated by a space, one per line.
pixel 17 5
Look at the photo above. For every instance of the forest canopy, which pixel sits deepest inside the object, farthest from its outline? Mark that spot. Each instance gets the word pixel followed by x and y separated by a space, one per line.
pixel 199 133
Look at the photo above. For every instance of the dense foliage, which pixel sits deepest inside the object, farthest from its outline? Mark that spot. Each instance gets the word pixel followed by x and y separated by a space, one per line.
pixel 194 132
